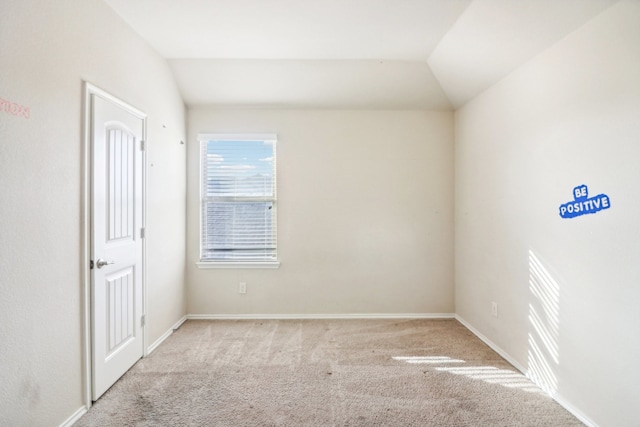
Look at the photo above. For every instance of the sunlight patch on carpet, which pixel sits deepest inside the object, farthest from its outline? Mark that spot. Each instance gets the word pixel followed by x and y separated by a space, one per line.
pixel 488 374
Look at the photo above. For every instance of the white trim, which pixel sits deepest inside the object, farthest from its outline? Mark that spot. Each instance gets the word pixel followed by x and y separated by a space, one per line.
pixel 86 243
pixel 555 396
pixel 491 344
pixel 257 264
pixel 166 335
pixel 267 137
pixel 95 90
pixel 74 417
pixel 145 331
pixel 320 316
pixel 576 413
pixel 89 90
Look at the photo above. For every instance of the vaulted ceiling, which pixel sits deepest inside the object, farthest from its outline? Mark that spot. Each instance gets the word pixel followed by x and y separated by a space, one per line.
pixel 423 54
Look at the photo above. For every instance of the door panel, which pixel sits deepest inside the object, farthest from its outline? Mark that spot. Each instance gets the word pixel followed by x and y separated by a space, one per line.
pixel 120 149
pixel 116 241
pixel 120 299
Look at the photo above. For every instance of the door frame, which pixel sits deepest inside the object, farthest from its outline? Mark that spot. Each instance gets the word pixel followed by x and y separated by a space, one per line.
pixel 90 90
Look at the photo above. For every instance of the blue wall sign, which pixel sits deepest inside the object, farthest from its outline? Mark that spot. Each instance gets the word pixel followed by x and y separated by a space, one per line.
pixel 583 204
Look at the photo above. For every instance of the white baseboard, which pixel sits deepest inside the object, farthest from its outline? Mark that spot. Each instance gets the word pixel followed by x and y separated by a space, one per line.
pixel 74 418
pixel 166 335
pixel 493 346
pixel 576 413
pixel 555 396
pixel 320 316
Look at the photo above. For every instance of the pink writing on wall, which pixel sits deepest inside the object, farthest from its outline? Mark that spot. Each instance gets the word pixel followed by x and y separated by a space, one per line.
pixel 14 108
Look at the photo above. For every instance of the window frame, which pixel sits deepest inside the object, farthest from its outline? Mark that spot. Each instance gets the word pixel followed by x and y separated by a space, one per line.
pixel 203 139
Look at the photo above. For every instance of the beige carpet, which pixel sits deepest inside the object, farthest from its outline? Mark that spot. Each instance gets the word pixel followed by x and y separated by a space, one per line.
pixel 325 373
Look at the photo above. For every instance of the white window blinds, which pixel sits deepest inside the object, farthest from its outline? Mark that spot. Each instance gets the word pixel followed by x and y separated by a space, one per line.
pixel 238 198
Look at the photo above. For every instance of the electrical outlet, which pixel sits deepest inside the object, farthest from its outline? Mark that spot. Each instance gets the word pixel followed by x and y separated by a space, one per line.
pixel 242 288
pixel 494 309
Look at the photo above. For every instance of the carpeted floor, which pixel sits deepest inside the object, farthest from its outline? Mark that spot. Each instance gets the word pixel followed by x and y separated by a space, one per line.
pixel 325 373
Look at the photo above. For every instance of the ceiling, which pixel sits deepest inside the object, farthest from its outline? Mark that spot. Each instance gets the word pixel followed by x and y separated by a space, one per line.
pixel 416 54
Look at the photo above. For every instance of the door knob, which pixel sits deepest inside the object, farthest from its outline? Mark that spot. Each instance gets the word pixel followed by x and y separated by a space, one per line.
pixel 101 263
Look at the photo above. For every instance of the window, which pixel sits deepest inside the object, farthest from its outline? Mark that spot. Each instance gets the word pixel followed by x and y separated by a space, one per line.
pixel 238 201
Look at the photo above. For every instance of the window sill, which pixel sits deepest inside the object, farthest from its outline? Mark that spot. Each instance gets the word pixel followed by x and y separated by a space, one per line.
pixel 249 264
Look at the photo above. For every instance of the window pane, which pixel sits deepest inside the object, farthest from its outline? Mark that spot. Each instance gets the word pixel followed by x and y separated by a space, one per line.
pixel 240 169
pixel 239 230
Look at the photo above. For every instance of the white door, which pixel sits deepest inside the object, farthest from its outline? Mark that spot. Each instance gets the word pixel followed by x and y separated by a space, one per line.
pixel 116 240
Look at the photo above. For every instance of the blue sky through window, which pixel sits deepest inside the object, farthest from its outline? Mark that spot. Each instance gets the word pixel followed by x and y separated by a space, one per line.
pixel 240 168
pixel 240 158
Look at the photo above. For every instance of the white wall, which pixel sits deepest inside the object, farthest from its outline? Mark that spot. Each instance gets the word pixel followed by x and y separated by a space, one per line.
pixel 365 214
pixel 570 116
pixel 47 49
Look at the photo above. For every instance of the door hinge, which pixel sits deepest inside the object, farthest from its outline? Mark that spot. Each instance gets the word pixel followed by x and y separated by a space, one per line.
pixel 143 320
pixel 142 145
pixel 142 233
